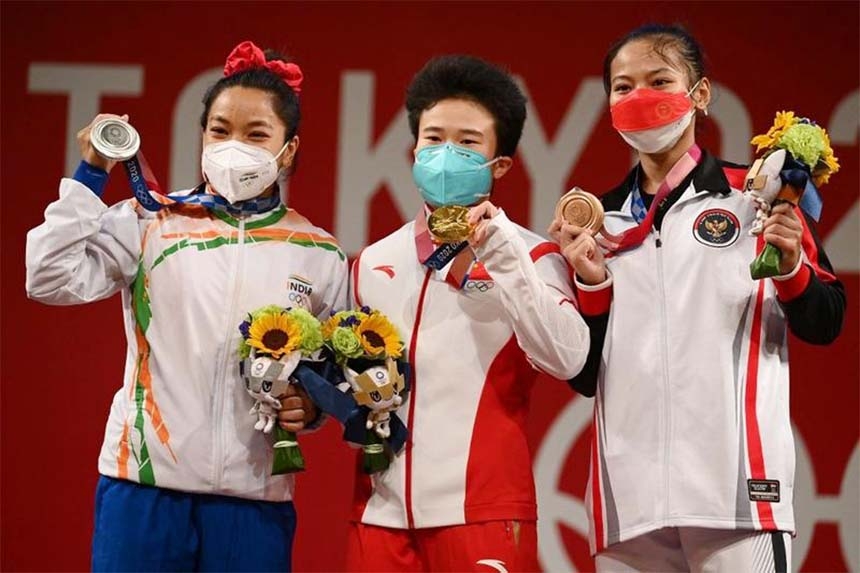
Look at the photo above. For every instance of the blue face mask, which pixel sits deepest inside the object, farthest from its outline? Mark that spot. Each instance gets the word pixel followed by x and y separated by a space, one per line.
pixel 448 174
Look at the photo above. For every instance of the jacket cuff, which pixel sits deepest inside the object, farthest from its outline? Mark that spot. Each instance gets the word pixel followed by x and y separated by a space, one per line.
pixel 596 299
pixel 93 177
pixel 792 285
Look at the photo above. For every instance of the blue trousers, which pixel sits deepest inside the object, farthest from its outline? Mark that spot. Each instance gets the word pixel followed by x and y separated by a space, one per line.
pixel 142 528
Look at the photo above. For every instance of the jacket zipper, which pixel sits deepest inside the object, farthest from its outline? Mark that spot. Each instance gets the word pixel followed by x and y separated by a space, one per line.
pixel 221 389
pixel 664 357
pixel 413 343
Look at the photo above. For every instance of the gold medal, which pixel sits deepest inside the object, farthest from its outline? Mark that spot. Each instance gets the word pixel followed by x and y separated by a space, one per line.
pixel 450 224
pixel 580 208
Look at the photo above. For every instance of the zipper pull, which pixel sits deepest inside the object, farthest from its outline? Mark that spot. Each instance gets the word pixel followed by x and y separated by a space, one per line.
pixel 659 241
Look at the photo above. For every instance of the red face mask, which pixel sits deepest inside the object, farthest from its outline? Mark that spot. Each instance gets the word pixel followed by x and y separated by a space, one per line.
pixel 646 108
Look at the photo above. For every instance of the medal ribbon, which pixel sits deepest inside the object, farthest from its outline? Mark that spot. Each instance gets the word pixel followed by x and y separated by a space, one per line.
pixel 684 166
pixel 145 188
pixel 436 256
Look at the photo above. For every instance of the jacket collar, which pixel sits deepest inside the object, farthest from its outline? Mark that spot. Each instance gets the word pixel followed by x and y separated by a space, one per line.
pixel 708 177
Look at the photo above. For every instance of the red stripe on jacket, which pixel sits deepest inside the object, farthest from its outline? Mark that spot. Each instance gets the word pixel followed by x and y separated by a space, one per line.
pixel 736 176
pixel 363 486
pixel 356 265
pixel 542 249
pixel 596 490
pixel 413 344
pixel 753 436
pixel 548 248
pixel 499 481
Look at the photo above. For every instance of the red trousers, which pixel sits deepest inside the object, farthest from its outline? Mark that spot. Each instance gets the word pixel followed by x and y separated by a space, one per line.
pixel 501 546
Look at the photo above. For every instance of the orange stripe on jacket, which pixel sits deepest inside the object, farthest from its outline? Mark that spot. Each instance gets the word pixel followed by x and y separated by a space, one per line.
pixel 122 454
pixel 151 407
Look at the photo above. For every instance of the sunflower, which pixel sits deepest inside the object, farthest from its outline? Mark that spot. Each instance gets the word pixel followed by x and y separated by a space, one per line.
pixel 807 142
pixel 379 337
pixel 274 333
pixel 783 120
pixel 827 164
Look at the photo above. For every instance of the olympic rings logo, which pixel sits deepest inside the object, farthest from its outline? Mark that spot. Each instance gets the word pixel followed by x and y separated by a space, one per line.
pixel 481 286
pixel 298 299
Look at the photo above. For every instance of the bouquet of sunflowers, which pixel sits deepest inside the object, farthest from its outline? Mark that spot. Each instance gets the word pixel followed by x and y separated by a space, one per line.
pixel 797 160
pixel 367 346
pixel 274 341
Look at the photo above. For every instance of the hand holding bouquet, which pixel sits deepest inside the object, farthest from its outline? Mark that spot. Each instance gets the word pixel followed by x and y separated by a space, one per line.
pixel 367 346
pixel 274 341
pixel 797 160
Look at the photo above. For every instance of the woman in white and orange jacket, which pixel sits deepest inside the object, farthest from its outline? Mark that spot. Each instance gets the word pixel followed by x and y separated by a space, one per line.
pixel 183 469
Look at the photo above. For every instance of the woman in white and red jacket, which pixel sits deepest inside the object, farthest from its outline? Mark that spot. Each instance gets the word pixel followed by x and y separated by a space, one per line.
pixel 692 463
pixel 478 323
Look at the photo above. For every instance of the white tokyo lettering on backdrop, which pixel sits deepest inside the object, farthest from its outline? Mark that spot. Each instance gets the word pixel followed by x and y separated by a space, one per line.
pixel 365 165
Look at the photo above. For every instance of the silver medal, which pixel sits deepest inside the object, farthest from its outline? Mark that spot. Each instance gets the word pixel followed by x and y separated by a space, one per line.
pixel 115 139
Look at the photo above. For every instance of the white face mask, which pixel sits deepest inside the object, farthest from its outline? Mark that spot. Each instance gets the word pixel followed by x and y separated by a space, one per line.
pixel 238 171
pixel 658 139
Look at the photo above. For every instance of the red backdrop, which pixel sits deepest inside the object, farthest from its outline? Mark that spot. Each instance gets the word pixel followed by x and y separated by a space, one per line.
pixel 61 62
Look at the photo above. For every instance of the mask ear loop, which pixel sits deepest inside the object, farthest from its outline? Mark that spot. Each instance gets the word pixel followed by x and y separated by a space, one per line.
pixel 690 95
pixel 486 195
pixel 281 152
pixel 692 89
pixel 488 163
pixel 284 148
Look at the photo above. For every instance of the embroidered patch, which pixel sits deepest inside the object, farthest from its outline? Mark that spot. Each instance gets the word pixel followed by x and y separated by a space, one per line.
pixel 763 490
pixel 300 289
pixel 716 228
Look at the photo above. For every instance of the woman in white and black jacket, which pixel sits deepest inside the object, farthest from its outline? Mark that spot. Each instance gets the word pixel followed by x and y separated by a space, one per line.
pixel 692 465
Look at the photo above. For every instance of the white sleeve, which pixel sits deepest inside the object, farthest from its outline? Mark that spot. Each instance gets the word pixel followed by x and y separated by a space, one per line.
pixel 537 298
pixel 83 251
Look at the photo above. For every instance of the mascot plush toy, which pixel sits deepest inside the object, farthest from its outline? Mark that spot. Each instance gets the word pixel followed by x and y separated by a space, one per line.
pixel 274 342
pixel 368 348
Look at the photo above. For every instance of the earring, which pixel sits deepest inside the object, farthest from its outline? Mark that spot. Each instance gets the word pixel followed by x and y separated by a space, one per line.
pixel 706 112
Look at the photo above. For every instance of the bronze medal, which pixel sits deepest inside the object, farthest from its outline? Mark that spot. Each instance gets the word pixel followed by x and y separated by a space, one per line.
pixel 580 208
pixel 450 224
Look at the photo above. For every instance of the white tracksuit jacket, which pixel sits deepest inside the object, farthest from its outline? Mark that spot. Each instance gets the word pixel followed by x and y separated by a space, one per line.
pixel 188 277
pixel 471 350
pixel 690 366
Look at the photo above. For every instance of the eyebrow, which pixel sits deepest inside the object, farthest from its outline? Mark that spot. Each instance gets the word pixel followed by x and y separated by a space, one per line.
pixel 255 123
pixel 471 132
pixel 649 74
pixel 466 131
pixel 259 123
pixel 661 70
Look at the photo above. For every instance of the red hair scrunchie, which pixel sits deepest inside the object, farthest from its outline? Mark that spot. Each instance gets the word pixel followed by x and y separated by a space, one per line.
pixel 247 56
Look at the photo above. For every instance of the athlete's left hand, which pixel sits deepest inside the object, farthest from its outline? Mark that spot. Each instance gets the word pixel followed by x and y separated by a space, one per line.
pixel 297 409
pixel 480 216
pixel 784 230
